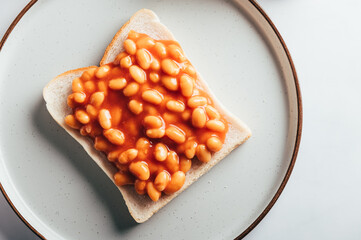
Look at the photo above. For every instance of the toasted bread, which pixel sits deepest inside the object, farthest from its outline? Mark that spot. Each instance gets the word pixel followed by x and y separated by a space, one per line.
pixel 56 92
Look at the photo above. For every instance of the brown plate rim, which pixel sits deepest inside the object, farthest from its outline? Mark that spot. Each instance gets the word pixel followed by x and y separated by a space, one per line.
pixel 298 135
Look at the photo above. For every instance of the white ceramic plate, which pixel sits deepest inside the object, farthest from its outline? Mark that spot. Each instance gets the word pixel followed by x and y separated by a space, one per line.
pixel 61 193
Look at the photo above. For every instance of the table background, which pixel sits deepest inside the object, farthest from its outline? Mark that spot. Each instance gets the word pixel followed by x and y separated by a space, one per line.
pixel 322 199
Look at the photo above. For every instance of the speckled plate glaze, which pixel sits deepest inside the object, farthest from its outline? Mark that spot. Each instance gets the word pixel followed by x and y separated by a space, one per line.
pixel 59 191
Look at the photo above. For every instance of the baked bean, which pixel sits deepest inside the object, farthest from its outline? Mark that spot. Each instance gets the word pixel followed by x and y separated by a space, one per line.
pixel 152 122
pixel 113 155
pixel 102 87
pixel 79 97
pixel 186 115
pixel 126 62
pixel 142 143
pixel 170 67
pixel 190 148
pixel 131 89
pixel 189 69
pixel 82 116
pixel 214 144
pixel 133 35
pixel 144 58
pixel 197 101
pixel 116 113
pixel 184 164
pixel 88 74
pixel 92 111
pixel 137 74
pixel 119 57
pixel 215 125
pixel 130 47
pixel 170 83
pixel 139 186
pixel 199 117
pixel 114 136
pixel 154 77
pixel 152 96
pixel 145 42
pixel 176 52
pixel 153 193
pixel 175 134
pixel 117 84
pixel 186 85
pixel 160 49
pixel 140 170
pixel 128 156
pixel 177 181
pixel 102 71
pixel 160 152
pixel 155 65
pixel 70 101
pixel 71 121
pixel 143 146
pixel 121 179
pixel 172 161
pixel 212 112
pixel 203 154
pixel 102 144
pixel 84 130
pixel 89 86
pixel 97 99
pixel 104 119
pixel 175 106
pixel 155 133
pixel 77 85
pixel 135 107
pixel 161 180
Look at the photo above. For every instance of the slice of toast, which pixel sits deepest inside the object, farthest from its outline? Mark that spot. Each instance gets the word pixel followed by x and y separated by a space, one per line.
pixel 141 207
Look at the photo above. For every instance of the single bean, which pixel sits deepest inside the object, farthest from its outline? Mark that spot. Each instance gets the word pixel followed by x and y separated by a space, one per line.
pixel 130 47
pixel 140 170
pixel 121 179
pixel 176 182
pixel 214 144
pixel 153 193
pixel 104 119
pixel 128 156
pixel 115 136
pixel 161 180
pixel 199 118
pixel 71 121
pixel 203 154
pixel 160 152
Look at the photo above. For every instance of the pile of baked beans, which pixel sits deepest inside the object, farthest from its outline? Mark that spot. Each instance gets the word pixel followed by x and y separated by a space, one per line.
pixel 147 112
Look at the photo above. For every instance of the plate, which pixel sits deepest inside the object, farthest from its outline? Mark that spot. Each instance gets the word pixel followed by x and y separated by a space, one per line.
pixel 59 191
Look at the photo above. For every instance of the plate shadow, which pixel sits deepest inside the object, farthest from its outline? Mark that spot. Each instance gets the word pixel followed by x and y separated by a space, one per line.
pixel 103 187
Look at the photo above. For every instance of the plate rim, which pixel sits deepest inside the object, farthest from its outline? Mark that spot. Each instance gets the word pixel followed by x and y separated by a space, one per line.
pixel 298 132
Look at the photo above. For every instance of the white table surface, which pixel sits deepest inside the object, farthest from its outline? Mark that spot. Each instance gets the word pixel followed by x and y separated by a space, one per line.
pixel 322 199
